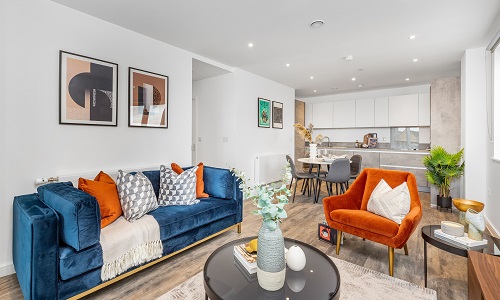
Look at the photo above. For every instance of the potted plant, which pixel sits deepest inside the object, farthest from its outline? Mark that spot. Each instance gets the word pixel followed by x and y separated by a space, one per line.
pixel 442 168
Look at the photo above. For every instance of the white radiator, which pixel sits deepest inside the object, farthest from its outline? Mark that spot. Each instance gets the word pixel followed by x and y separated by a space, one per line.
pixel 269 168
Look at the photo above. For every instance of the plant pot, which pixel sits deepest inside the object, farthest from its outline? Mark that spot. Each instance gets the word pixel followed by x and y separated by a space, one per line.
pixel 443 202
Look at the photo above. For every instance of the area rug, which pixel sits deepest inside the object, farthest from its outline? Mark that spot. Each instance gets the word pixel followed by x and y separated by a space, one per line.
pixel 356 283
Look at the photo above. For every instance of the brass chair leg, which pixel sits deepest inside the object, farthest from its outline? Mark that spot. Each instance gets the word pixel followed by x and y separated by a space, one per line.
pixel 339 238
pixel 239 228
pixel 406 249
pixel 391 261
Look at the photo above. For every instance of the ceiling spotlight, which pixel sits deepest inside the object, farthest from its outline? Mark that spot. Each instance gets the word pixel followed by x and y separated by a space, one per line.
pixel 317 24
pixel 287 65
pixel 360 85
pixel 353 79
pixel 250 45
pixel 315 91
pixel 407 79
pixel 349 57
pixel 311 77
pixel 415 59
pixel 412 37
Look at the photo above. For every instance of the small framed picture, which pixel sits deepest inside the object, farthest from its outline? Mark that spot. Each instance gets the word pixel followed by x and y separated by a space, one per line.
pixel 372 142
pixel 277 115
pixel 327 234
pixel 264 113
pixel 148 99
pixel 88 90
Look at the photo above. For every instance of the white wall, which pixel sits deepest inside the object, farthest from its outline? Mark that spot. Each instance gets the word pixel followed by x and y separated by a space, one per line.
pixel 37 146
pixel 481 172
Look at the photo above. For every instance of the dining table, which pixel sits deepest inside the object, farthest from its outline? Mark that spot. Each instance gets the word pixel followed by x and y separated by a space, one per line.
pixel 318 161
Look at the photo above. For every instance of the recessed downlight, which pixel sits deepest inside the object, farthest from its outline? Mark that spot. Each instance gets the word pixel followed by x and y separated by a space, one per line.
pixel 412 37
pixel 250 45
pixel 315 91
pixel 407 79
pixel 353 79
pixel 360 85
pixel 312 77
pixel 317 23
pixel 415 59
pixel 349 57
pixel 287 65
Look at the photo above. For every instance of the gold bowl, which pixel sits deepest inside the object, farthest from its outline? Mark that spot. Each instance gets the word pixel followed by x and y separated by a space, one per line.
pixel 464 204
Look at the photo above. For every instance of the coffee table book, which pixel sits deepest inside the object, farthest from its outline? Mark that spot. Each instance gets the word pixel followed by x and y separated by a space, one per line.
pixel 246 260
pixel 459 240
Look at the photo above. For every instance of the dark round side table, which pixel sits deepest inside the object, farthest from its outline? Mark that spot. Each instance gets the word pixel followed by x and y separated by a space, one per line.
pixel 223 278
pixel 429 237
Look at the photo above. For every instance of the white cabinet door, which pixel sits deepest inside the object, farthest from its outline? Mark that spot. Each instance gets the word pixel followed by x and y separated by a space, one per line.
pixel 322 116
pixel 381 112
pixel 344 114
pixel 403 110
pixel 424 109
pixel 365 112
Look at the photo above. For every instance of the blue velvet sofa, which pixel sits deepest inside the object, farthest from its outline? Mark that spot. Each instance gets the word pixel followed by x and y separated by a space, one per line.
pixel 56 248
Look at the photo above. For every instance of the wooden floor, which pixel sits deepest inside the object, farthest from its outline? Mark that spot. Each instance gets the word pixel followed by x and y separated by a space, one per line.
pixel 447 272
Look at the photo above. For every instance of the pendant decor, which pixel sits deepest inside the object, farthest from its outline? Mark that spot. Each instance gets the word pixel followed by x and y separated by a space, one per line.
pixel 271 268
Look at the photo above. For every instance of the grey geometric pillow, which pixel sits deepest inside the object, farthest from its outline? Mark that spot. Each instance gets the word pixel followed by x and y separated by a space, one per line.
pixel 177 189
pixel 136 193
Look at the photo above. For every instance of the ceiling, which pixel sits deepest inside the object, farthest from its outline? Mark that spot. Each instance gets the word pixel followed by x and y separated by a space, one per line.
pixel 375 33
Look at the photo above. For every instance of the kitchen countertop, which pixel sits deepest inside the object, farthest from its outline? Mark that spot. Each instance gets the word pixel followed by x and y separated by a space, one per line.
pixel 376 150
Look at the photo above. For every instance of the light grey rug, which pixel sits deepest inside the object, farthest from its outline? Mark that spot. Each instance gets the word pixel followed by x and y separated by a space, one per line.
pixel 356 283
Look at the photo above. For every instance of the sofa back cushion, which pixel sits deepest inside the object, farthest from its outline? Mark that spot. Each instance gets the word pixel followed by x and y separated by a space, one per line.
pixel 78 212
pixel 218 182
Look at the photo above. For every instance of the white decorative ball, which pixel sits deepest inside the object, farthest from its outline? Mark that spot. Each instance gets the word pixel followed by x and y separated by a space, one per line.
pixel 295 258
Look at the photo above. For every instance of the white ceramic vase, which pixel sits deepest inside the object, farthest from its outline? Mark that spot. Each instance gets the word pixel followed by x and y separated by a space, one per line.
pixel 313 151
pixel 476 224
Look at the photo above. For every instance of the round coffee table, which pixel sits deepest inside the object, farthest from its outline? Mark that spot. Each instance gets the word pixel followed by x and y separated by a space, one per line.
pixel 224 279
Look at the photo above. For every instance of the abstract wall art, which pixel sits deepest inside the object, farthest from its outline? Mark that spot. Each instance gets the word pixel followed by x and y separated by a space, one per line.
pixel 277 115
pixel 264 113
pixel 148 99
pixel 88 90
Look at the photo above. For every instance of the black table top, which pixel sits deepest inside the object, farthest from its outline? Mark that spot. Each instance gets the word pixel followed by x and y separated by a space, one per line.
pixel 429 237
pixel 320 278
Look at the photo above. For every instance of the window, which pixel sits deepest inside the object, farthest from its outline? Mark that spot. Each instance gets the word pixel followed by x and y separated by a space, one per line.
pixel 404 138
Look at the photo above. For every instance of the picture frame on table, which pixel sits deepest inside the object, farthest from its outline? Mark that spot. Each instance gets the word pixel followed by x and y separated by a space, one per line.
pixel 88 90
pixel 148 99
pixel 264 113
pixel 277 115
pixel 372 142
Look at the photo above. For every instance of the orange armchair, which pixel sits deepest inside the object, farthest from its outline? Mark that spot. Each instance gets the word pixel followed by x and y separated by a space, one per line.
pixel 347 212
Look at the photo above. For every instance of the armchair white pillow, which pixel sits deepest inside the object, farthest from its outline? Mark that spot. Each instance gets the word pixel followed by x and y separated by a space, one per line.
pixel 393 204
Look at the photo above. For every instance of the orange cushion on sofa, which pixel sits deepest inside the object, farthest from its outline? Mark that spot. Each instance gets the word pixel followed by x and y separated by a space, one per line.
pixel 103 188
pixel 200 184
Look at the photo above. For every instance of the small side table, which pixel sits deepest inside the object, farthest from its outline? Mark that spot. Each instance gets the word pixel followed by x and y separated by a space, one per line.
pixel 429 237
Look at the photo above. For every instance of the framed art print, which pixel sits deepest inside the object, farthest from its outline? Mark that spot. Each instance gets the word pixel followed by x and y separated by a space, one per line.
pixel 148 99
pixel 277 115
pixel 88 90
pixel 264 113
pixel 327 234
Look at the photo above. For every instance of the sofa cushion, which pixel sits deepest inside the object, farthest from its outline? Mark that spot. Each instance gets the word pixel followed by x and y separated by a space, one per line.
pixel 73 263
pixel 200 184
pixel 390 203
pixel 218 182
pixel 174 220
pixel 136 193
pixel 78 212
pixel 365 220
pixel 177 189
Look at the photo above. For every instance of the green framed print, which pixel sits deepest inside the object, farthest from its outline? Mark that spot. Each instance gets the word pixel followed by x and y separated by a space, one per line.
pixel 264 113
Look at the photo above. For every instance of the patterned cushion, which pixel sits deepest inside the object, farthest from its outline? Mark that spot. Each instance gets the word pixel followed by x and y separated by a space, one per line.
pixel 136 193
pixel 390 203
pixel 177 189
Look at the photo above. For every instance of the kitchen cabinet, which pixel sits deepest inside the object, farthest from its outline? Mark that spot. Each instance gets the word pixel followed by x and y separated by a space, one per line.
pixel 370 159
pixel 403 110
pixel 381 115
pixel 424 109
pixel 411 162
pixel 365 112
pixel 322 115
pixel 344 114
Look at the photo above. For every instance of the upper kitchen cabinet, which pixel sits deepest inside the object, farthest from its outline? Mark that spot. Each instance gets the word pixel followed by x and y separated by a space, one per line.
pixel 403 110
pixel 424 109
pixel 344 114
pixel 381 112
pixel 322 115
pixel 365 116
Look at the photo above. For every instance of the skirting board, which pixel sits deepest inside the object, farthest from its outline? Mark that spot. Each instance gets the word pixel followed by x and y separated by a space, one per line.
pixel 7 270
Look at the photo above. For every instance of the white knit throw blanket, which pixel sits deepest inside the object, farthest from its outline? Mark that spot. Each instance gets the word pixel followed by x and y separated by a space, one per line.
pixel 125 245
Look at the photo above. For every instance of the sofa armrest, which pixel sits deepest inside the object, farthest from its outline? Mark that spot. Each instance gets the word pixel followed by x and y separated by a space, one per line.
pixel 35 247
pixel 238 197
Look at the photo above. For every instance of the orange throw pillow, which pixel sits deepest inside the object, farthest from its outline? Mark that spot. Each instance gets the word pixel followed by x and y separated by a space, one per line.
pixel 200 184
pixel 103 188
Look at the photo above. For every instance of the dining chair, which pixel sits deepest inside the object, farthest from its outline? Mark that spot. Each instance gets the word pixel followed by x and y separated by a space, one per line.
pixel 339 173
pixel 300 175
pixel 356 161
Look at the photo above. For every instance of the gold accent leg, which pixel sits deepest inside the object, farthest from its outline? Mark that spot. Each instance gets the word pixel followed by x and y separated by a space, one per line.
pixel 391 261
pixel 339 238
pixel 239 228
pixel 406 249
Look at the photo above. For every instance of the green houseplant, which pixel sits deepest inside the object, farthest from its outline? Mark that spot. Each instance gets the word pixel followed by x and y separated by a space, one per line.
pixel 442 167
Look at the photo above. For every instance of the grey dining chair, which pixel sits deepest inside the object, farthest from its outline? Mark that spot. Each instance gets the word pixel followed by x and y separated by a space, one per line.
pixel 300 175
pixel 356 161
pixel 339 173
